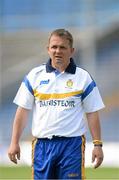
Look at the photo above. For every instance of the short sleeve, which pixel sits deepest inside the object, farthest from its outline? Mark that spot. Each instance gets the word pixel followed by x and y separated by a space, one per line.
pixel 91 98
pixel 24 96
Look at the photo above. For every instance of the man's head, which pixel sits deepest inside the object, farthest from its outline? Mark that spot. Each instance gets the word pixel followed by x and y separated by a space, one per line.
pixel 60 48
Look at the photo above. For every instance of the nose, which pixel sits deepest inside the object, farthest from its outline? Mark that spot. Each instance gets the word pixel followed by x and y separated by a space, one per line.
pixel 58 49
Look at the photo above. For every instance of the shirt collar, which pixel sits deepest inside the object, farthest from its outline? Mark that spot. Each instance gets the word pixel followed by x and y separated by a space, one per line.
pixel 71 68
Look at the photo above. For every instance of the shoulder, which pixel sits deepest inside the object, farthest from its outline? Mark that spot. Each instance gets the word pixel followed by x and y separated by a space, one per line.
pixel 38 69
pixel 35 71
pixel 82 71
pixel 84 75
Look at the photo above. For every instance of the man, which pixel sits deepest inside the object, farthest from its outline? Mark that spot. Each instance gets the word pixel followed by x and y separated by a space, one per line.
pixel 60 93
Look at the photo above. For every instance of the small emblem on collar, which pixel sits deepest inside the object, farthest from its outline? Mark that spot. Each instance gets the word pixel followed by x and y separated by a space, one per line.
pixel 69 83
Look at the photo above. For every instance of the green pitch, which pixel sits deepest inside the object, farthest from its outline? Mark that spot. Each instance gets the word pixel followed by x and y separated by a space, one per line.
pixel 15 173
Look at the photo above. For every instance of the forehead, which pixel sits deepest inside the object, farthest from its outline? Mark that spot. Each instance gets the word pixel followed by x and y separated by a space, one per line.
pixel 58 40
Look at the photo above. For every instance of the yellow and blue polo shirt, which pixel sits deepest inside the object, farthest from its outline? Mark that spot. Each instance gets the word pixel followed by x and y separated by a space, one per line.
pixel 59 99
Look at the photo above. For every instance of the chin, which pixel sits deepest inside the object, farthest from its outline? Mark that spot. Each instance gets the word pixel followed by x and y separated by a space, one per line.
pixel 58 61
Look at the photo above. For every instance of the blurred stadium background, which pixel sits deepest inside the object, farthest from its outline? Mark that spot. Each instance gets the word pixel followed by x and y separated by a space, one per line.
pixel 24 29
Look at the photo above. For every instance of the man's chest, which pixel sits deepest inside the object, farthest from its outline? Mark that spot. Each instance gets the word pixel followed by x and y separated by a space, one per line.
pixel 61 83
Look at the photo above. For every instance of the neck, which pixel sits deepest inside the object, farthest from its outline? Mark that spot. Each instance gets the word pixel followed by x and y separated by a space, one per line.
pixel 60 67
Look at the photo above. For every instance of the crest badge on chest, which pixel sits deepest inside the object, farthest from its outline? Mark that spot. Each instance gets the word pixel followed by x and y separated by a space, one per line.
pixel 69 83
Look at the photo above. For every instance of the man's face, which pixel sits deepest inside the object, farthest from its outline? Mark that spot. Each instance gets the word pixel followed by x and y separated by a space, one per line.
pixel 60 51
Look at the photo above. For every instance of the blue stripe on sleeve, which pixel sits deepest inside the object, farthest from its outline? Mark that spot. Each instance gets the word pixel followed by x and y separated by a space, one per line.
pixel 88 90
pixel 28 85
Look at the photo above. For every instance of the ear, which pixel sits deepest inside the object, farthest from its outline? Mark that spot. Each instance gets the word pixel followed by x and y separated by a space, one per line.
pixel 47 48
pixel 72 50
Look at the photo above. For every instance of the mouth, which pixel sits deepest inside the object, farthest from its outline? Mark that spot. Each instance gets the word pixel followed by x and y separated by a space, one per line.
pixel 58 57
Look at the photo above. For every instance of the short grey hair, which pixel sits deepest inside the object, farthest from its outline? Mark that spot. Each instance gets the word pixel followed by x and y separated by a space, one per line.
pixel 64 34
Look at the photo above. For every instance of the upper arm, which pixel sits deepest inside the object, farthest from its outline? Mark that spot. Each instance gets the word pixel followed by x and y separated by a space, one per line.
pixel 22 113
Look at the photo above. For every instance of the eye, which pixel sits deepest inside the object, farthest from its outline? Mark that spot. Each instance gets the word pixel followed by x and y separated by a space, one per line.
pixel 53 47
pixel 62 47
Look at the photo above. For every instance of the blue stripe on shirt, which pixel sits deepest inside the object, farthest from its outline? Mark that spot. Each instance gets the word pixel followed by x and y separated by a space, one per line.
pixel 28 85
pixel 78 95
pixel 88 90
